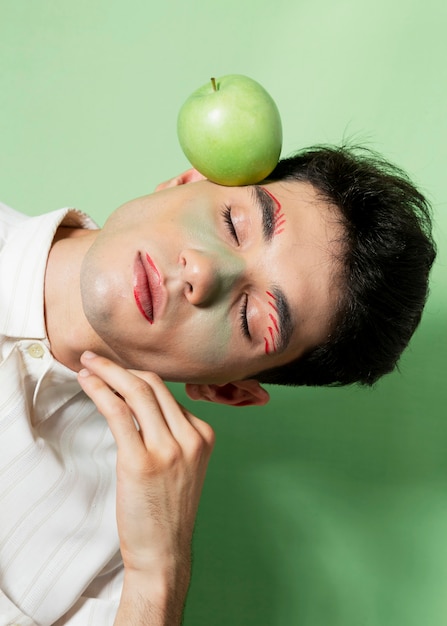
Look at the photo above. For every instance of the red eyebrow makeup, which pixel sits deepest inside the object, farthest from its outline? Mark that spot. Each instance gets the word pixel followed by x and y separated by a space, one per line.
pixel 271 338
pixel 278 217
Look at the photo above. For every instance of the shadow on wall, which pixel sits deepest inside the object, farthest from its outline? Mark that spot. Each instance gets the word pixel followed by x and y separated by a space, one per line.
pixel 330 506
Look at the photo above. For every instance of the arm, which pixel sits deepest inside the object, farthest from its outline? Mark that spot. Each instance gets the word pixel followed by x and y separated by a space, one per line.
pixel 160 472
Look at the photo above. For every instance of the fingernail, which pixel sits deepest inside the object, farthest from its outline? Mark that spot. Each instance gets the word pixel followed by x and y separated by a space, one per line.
pixel 88 354
pixel 84 373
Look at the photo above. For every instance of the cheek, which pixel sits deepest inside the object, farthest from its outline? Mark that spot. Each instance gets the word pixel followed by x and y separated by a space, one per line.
pixel 206 338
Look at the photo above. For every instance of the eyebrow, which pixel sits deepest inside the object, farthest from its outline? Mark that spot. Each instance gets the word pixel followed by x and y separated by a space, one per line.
pixel 267 205
pixel 286 325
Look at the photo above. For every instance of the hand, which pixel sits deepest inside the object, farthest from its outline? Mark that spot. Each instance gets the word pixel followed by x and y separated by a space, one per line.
pixel 190 176
pixel 161 466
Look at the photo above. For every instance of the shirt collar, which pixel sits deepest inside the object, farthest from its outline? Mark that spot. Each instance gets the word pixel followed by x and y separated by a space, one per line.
pixel 23 260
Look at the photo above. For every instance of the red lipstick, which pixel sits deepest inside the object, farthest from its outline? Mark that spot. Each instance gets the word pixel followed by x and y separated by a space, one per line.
pixel 147 287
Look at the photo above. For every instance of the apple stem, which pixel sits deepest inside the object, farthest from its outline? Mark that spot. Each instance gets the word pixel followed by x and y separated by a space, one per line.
pixel 213 82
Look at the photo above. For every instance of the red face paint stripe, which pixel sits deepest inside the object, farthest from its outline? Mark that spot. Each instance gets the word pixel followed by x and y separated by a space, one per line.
pixel 280 220
pixel 279 216
pixel 279 223
pixel 278 204
pixel 275 323
pixel 270 342
pixel 273 338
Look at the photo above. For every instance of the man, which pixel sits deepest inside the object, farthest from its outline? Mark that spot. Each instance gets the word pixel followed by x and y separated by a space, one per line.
pixel 316 276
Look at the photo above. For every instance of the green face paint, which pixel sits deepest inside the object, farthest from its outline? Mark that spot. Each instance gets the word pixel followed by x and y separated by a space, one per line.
pixel 217 267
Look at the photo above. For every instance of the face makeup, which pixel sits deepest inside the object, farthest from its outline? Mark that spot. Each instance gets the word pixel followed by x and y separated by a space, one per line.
pixel 139 308
pixel 147 287
pixel 278 217
pixel 270 340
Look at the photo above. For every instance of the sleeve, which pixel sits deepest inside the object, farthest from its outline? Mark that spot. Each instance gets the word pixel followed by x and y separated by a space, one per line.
pixel 11 615
pixel 89 611
pixel 98 604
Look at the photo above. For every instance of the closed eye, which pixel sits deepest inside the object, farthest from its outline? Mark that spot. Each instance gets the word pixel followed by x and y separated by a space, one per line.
pixel 243 318
pixel 226 214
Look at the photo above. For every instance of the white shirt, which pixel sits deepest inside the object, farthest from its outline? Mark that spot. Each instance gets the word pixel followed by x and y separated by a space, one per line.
pixel 59 548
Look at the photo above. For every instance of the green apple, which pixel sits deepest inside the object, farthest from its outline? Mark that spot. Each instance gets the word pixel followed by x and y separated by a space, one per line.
pixel 230 130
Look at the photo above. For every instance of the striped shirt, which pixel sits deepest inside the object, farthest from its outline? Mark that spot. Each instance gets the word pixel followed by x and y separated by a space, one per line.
pixel 59 548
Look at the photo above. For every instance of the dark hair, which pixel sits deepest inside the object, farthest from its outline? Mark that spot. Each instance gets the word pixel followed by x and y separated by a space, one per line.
pixel 388 253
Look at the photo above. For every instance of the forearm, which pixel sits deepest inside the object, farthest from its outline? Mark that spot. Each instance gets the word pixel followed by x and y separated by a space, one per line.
pixel 148 600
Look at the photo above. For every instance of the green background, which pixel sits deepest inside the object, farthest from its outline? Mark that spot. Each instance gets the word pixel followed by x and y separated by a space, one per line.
pixel 328 506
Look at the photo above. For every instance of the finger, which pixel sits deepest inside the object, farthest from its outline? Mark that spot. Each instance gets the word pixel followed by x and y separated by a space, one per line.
pixel 190 176
pixel 157 411
pixel 167 184
pixel 180 421
pixel 203 428
pixel 114 409
pixel 138 396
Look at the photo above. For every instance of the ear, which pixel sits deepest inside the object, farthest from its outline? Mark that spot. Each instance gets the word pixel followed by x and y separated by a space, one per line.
pixel 238 393
pixel 190 176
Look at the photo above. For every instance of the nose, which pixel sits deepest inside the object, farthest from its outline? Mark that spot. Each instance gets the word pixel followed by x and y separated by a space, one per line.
pixel 207 276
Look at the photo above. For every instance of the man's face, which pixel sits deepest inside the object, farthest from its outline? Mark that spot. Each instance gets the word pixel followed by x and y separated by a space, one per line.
pixel 204 283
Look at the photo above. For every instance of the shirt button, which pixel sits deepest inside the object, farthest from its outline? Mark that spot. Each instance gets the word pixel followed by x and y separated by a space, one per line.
pixel 36 351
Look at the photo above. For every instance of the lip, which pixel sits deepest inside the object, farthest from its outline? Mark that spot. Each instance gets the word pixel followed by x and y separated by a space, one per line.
pixel 148 290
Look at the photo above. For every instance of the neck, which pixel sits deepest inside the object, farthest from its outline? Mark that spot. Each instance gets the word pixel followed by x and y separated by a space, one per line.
pixel 68 331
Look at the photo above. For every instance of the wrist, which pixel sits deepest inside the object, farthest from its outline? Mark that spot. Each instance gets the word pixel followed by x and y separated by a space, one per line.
pixel 155 597
pixel 159 581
